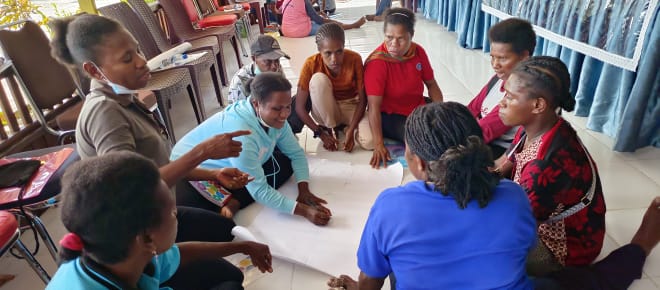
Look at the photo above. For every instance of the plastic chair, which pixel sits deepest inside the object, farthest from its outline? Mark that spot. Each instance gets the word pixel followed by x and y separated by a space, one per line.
pixel 167 85
pixel 49 86
pixel 205 16
pixel 184 30
pixel 10 235
pixel 211 7
pixel 132 22
pixel 55 162
pixel 206 43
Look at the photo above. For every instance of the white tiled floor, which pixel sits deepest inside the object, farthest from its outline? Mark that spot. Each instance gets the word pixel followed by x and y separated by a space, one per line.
pixel 630 180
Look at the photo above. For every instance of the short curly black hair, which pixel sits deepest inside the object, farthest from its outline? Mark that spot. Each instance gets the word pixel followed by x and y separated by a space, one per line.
pixel 263 85
pixel 107 202
pixel 516 32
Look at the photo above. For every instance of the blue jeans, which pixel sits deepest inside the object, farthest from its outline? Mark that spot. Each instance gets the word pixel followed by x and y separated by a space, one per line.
pixel 315 28
pixel 382 6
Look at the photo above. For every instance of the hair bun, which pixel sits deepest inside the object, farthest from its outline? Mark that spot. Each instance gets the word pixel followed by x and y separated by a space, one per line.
pixel 59 49
pixel 568 102
pixel 474 154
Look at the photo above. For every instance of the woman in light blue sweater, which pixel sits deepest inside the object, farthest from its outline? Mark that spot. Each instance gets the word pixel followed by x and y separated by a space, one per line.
pixel 271 154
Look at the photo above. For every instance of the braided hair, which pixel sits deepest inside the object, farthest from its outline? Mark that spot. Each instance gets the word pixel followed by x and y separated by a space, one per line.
pixel 548 77
pixel 400 16
pixel 449 140
pixel 330 31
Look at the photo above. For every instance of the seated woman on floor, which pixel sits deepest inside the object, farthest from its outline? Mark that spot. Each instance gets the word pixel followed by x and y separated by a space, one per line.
pixel 300 20
pixel 271 154
pixel 121 234
pixel 113 119
pixel 511 41
pixel 395 75
pixel 445 230
pixel 333 82
pixel 549 161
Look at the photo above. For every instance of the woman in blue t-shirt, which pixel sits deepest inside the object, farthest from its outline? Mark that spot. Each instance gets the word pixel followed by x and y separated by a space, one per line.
pixel 122 222
pixel 458 226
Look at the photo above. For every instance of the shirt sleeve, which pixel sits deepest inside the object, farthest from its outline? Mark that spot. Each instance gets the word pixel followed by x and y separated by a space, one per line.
pixel 359 72
pixel 306 73
pixel 375 76
pixel 167 263
pixel 261 191
pixel 312 13
pixel 109 129
pixel 235 92
pixel 371 259
pixel 475 105
pixel 427 70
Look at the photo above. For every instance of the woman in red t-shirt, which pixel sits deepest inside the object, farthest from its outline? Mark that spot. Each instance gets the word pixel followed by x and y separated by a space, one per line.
pixel 394 79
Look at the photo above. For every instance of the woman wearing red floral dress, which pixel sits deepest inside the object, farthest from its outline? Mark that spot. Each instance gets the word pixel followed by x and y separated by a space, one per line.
pixel 548 160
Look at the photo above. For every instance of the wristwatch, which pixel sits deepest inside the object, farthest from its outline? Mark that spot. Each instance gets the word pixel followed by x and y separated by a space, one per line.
pixel 319 131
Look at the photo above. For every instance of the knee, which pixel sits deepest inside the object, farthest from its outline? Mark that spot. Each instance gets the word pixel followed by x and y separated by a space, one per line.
pixel 319 81
pixel 366 141
pixel 364 136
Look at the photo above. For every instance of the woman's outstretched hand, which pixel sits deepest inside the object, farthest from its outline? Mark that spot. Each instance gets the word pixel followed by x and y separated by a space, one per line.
pixel 222 145
pixel 343 282
pixel 232 178
pixel 260 256
pixel 380 156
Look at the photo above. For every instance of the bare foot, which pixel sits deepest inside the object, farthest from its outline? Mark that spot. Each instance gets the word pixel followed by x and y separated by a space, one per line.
pixel 343 282
pixel 230 209
pixel 648 234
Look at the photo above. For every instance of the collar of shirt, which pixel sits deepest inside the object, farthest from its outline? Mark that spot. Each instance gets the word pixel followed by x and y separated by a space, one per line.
pixel 103 89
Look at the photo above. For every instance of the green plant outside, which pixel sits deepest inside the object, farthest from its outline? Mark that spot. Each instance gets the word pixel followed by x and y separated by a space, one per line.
pixel 15 10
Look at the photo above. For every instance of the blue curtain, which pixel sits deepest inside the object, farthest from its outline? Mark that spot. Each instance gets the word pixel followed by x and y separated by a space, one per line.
pixel 624 105
pixel 464 17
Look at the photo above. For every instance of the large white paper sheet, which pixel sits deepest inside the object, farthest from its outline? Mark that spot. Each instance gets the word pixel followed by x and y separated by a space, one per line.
pixel 349 189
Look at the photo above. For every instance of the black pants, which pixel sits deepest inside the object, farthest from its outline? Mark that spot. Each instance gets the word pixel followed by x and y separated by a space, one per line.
pixel 277 170
pixel 294 120
pixel 617 271
pixel 394 126
pixel 202 225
